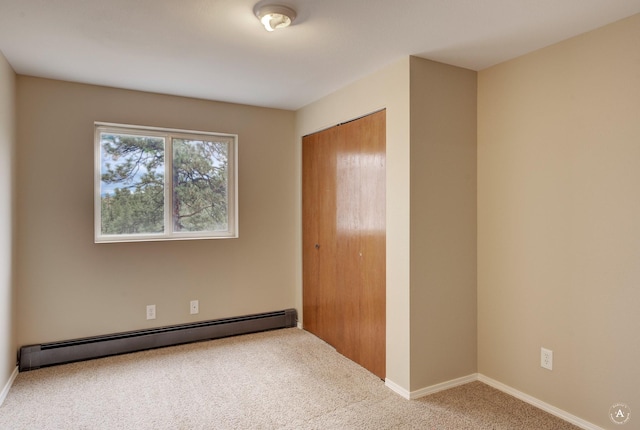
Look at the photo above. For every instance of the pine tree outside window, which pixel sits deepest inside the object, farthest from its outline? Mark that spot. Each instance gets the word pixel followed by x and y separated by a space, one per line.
pixel 164 184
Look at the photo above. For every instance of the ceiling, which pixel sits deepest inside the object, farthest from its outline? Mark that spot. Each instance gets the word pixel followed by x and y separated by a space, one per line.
pixel 217 49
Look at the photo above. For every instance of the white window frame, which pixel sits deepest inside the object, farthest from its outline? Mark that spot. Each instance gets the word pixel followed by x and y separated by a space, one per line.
pixel 169 134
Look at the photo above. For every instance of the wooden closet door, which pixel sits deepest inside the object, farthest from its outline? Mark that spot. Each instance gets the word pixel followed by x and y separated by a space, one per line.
pixel 319 235
pixel 364 235
pixel 344 288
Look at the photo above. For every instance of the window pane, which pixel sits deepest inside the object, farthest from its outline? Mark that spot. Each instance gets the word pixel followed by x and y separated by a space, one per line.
pixel 131 184
pixel 200 185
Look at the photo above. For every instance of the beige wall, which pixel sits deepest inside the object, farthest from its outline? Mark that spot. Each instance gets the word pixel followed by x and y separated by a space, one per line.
pixel 7 222
pixel 559 222
pixel 388 88
pixel 443 223
pixel 71 287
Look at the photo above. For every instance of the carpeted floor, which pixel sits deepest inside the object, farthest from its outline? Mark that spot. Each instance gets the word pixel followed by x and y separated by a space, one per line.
pixel 284 379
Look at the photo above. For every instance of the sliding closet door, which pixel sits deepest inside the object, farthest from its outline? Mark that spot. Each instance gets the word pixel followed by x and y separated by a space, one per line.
pixel 344 239
pixel 361 218
pixel 319 235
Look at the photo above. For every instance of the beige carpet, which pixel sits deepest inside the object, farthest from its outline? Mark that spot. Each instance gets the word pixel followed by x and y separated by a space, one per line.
pixel 284 379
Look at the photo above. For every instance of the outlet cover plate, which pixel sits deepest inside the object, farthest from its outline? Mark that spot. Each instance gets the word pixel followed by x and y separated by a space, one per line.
pixel 194 307
pixel 151 312
pixel 546 358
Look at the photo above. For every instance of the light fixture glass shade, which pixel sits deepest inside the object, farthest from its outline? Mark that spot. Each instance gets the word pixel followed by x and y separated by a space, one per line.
pixel 275 16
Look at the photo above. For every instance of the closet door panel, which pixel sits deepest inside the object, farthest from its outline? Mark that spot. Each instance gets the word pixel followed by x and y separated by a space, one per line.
pixel 371 132
pixel 349 261
pixel 319 236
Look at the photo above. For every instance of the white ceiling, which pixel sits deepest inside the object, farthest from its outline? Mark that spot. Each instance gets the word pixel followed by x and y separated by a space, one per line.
pixel 217 49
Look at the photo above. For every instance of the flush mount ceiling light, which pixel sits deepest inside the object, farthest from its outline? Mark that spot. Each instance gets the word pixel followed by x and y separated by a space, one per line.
pixel 275 16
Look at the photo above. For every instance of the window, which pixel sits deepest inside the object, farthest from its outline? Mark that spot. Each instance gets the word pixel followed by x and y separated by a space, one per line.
pixel 164 184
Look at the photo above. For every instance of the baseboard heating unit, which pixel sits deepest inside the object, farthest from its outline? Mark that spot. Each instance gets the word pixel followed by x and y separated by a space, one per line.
pixel 47 354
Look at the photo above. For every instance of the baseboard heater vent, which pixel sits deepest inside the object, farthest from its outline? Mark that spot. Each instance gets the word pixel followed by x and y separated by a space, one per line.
pixel 47 354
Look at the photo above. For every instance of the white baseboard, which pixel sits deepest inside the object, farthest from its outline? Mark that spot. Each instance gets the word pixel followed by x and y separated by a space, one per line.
pixel 397 388
pixel 443 386
pixel 411 395
pixel 539 403
pixel 7 387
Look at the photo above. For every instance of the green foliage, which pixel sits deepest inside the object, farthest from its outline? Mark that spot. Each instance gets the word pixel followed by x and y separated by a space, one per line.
pixel 127 212
pixel 133 171
pixel 200 185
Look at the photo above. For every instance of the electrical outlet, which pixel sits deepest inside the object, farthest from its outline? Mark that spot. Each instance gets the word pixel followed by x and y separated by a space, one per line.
pixel 546 358
pixel 194 307
pixel 151 312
